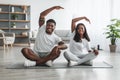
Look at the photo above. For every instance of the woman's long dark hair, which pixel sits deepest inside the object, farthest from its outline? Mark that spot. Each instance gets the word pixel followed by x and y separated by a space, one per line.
pixel 77 37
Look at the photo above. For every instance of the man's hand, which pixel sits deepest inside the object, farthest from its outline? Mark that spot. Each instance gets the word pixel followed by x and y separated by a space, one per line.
pixel 58 7
pixel 46 12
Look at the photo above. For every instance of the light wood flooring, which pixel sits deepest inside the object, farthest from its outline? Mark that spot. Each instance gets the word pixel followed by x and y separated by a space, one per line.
pixel 13 55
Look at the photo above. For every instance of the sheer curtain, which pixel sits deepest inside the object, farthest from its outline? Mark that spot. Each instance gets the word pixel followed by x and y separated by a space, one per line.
pixel 115 9
pixel 116 14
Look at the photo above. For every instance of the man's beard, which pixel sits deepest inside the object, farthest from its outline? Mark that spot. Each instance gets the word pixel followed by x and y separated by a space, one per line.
pixel 49 31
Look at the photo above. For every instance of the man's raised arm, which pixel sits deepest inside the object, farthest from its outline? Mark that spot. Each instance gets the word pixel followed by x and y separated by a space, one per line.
pixel 46 12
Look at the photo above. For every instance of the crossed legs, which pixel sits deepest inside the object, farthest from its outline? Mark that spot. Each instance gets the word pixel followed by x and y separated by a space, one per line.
pixel 82 59
pixel 29 54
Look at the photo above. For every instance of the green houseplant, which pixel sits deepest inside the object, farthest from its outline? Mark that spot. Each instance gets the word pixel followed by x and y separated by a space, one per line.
pixel 13 25
pixel 14 16
pixel 113 32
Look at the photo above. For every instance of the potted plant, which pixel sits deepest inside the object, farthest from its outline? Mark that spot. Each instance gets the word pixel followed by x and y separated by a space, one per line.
pixel 113 32
pixel 13 25
pixel 14 16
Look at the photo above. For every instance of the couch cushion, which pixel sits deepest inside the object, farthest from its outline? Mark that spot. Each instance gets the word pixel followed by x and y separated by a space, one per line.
pixel 62 33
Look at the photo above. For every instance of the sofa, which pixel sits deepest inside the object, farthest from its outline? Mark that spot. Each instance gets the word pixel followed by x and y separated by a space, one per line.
pixel 64 34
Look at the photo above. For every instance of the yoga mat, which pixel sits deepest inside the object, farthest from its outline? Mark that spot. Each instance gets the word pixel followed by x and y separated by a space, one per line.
pixel 59 65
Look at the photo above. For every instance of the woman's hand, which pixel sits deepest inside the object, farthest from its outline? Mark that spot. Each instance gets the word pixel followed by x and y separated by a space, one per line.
pixel 96 52
pixel 87 19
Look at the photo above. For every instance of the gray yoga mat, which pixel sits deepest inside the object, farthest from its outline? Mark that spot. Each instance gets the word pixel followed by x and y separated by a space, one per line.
pixel 60 66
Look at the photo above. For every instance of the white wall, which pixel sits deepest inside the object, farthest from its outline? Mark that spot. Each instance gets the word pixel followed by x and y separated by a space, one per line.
pixel 98 11
pixel 62 17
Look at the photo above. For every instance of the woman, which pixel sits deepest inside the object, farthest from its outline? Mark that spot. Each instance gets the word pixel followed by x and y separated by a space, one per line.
pixel 80 50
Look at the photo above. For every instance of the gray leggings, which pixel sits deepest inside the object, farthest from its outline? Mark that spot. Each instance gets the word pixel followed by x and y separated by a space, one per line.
pixel 81 59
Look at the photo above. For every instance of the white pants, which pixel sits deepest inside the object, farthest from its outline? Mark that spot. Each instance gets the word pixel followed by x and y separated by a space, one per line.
pixel 81 59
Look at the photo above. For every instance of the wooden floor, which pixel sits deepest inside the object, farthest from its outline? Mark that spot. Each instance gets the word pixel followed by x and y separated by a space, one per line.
pixel 13 55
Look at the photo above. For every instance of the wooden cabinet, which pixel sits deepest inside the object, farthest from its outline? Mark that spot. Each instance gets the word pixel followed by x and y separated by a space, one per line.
pixel 16 18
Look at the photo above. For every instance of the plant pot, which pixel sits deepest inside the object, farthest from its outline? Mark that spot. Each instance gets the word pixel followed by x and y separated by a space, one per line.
pixel 112 48
pixel 14 26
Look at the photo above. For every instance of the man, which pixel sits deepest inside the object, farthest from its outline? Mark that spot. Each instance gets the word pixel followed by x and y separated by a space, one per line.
pixel 45 50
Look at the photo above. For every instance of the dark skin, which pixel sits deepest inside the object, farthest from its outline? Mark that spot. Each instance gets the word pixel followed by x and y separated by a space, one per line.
pixel 81 29
pixel 55 53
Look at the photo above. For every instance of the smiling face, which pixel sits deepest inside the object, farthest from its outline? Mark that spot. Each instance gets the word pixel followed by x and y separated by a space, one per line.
pixel 81 30
pixel 50 27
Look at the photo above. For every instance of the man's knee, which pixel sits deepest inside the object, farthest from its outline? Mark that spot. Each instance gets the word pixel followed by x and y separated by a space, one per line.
pixel 24 50
pixel 55 48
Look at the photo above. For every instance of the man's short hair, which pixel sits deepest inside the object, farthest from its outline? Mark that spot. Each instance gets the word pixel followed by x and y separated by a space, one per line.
pixel 51 20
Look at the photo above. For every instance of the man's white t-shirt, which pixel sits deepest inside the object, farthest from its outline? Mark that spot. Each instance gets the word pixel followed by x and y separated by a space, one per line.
pixel 45 42
pixel 79 48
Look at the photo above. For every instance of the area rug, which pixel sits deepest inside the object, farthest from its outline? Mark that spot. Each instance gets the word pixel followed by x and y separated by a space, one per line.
pixel 60 66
